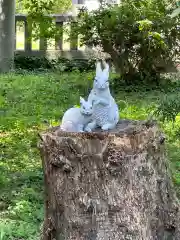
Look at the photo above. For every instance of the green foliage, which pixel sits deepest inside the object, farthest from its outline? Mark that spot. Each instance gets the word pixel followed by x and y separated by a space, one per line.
pixel 60 64
pixel 26 103
pixel 139 36
pixel 39 18
pixel 117 84
pixel 45 6
pixel 169 107
pixel 32 63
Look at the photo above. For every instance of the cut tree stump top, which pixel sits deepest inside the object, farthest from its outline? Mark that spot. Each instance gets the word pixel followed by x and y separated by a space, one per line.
pixel 124 126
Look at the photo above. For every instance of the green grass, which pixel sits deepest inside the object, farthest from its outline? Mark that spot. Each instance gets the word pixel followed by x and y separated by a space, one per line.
pixel 26 101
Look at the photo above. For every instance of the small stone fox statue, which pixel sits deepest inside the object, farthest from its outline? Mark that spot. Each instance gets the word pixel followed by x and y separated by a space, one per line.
pixel 105 109
pixel 75 119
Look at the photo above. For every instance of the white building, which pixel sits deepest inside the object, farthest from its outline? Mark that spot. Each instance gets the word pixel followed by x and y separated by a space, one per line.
pixel 91 4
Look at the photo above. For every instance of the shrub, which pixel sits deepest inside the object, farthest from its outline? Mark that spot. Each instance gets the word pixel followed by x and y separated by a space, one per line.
pixel 60 64
pixel 168 108
pixel 140 36
pixel 31 63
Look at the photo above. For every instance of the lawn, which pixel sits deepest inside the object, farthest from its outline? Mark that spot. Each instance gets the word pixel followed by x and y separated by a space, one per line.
pixel 27 102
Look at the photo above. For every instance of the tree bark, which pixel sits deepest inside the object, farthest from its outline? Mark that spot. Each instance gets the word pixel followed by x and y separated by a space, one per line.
pixel 7 34
pixel 108 185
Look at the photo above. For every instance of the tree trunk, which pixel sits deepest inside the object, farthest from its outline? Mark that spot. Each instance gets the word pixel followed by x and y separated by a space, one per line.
pixel 7 34
pixel 112 185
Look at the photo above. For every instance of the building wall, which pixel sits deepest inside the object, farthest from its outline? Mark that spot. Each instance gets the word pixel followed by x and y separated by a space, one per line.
pixel 92 4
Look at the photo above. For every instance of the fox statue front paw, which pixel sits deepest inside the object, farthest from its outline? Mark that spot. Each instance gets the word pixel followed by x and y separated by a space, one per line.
pixel 108 126
pixel 87 129
pixel 96 102
pixel 91 126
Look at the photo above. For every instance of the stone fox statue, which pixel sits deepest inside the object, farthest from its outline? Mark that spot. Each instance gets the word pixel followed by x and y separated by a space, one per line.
pixel 75 119
pixel 105 109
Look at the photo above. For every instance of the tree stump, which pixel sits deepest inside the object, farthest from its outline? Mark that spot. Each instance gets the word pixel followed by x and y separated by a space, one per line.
pixel 108 185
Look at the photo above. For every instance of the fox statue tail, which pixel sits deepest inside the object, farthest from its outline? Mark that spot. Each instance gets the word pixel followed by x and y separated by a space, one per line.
pixel 68 127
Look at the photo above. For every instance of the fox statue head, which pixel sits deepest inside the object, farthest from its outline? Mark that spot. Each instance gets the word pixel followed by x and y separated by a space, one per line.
pixel 101 80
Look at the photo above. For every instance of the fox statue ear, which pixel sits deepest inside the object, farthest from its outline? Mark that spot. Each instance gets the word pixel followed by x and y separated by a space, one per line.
pixel 98 68
pixel 106 66
pixel 93 101
pixel 81 100
pixel 106 69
